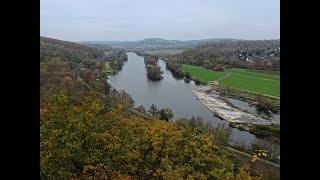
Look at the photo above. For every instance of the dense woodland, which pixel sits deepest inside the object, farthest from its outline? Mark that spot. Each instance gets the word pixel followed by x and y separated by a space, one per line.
pixel 62 62
pixel 88 129
pixel 115 56
pixel 259 54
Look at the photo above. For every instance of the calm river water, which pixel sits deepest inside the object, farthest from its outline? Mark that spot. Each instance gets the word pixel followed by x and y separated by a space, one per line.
pixel 170 92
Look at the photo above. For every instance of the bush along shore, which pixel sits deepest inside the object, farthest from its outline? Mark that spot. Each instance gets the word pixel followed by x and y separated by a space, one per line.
pixel 271 132
pixel 175 67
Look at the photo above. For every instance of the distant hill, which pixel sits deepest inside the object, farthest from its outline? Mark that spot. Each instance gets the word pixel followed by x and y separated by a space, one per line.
pixel 68 50
pixel 157 43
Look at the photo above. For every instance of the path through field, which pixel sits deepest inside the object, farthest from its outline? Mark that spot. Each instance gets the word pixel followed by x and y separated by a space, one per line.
pixel 217 81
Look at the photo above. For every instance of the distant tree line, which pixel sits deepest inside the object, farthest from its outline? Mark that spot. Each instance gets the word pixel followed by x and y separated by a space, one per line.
pixel 260 54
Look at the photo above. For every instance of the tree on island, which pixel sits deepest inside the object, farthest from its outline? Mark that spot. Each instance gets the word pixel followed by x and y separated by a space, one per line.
pixel 154 72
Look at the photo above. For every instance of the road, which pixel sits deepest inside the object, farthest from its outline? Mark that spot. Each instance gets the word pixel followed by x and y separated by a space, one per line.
pixel 258 165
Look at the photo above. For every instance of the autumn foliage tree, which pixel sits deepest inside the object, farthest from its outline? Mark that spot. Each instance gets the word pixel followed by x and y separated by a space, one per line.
pixel 218 67
pixel 86 140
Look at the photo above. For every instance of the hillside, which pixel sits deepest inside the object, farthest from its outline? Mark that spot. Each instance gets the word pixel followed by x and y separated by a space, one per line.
pixel 63 60
pixel 89 130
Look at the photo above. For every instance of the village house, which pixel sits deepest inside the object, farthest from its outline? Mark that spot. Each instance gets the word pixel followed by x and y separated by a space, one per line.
pixel 248 59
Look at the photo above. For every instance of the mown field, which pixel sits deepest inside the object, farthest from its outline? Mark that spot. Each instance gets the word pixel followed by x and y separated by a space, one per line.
pixel 108 68
pixel 264 82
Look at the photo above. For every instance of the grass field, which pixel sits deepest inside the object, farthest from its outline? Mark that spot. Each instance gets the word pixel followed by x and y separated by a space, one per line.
pixel 107 68
pixel 264 82
pixel 202 73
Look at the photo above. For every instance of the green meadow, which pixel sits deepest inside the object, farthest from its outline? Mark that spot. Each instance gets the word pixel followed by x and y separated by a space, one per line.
pixel 263 82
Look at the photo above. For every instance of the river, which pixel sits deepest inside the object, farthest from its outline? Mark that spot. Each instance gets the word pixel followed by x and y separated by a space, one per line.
pixel 170 92
pixel 245 106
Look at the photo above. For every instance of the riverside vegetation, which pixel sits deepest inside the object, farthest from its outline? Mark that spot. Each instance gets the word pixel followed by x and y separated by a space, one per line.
pixel 87 130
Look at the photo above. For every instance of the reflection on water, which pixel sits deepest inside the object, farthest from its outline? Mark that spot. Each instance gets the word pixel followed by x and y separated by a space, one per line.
pixel 245 106
pixel 171 92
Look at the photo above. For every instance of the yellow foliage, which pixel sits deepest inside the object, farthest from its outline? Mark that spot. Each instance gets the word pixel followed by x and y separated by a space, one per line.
pixel 254 158
pixel 244 174
pixel 66 79
pixel 116 146
pixel 259 154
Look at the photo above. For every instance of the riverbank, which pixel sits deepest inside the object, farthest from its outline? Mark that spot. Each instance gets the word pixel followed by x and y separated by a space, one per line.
pixel 240 89
pixel 237 78
pixel 226 112
pixel 171 92
pixel 236 117
pixel 250 97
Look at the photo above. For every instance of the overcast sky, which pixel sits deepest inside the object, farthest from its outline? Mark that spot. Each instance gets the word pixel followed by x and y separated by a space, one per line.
pixel 81 20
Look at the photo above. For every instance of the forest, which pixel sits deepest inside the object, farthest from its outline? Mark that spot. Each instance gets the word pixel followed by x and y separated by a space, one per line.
pixel 258 54
pixel 88 130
